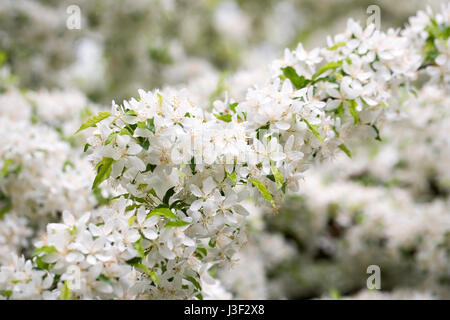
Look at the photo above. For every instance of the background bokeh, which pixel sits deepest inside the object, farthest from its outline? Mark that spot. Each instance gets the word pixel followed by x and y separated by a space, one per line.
pixel 126 45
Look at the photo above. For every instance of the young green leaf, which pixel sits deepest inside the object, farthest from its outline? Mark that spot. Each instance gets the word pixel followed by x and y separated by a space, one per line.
pixel 169 193
pixel 177 223
pixel 194 282
pixel 233 106
pixel 44 249
pixel 377 131
pixel 143 267
pixel 334 293
pixel 104 171
pixel 164 212
pixel 263 190
pixel 326 67
pixel 344 148
pixel 314 130
pixel 6 166
pixel 138 247
pixel 6 293
pixel 66 294
pixel 192 165
pixel 223 117
pixel 68 164
pixel 232 176
pixel 298 81
pixel 337 45
pixel 5 209
pixel 151 125
pixel 353 111
pixel 111 137
pixel 92 121
pixel 277 175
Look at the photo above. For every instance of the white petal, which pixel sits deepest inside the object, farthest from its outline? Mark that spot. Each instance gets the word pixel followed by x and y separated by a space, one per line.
pixel 150 234
pixel 134 149
pixel 166 253
pixel 208 185
pixel 282 125
pixel 196 191
pixel 68 218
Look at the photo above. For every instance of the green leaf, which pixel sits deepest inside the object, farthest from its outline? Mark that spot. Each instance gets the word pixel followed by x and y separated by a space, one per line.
pixel 233 106
pixel 353 111
pixel 164 212
pixel 194 282
pixel 439 31
pixel 337 45
pixel 126 131
pixel 141 125
pixel 177 223
pixel 154 277
pixel 374 127
pixel 263 190
pixel 192 165
pixel 169 193
pixel 143 142
pixel 160 99
pixel 232 176
pixel 43 265
pixel 138 247
pixel 40 253
pixel 131 219
pixel 339 111
pixel 66 294
pixel 44 249
pixel 6 166
pixel 91 122
pixel 223 117
pixel 130 112
pixel 264 127
pixel 151 125
pixel 104 278
pixel 298 81
pixel 344 148
pixel 111 137
pixel 149 167
pixel 201 252
pixel 328 66
pixel 103 172
pixel 313 128
pixel 277 175
pixel 134 261
pixel 147 271
pixel 73 230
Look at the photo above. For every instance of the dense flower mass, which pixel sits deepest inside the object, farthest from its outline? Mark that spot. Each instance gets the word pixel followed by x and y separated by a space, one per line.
pixel 166 188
